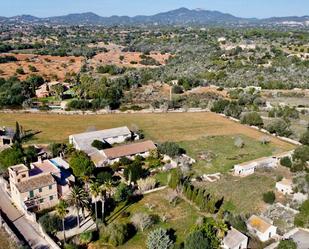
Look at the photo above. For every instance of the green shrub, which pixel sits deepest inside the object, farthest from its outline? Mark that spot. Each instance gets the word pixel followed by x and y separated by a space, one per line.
pixel 85 237
pixel 115 234
pixel 305 138
pixel 170 148
pixel 220 105
pixel 286 162
pixel 252 118
pixel 302 218
pixel 287 244
pixel 280 128
pixel 50 223
pixel 269 197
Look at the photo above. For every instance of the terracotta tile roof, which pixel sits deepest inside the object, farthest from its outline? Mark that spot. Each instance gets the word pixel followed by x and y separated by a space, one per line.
pixel 36 182
pixel 259 223
pixel 128 150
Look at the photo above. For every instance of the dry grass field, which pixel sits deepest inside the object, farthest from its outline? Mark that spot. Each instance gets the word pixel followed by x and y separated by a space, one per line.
pixel 5 241
pixel 159 127
pixel 50 67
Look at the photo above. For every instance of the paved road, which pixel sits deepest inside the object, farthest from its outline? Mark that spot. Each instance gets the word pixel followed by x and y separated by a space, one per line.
pixel 25 227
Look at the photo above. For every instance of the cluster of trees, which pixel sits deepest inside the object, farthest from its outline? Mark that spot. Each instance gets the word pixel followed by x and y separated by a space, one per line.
pixel 13 92
pixel 229 108
pixel 299 160
pixel 206 235
pixel 252 118
pixel 204 200
pixel 170 148
pixel 111 69
pixel 7 58
pixel 17 153
pixel 285 112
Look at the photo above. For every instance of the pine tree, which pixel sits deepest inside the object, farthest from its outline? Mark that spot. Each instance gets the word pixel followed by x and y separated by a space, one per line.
pixel 17 133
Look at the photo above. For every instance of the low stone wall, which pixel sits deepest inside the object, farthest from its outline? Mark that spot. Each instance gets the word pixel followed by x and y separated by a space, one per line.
pixel 50 241
pixel 9 231
pixel 154 190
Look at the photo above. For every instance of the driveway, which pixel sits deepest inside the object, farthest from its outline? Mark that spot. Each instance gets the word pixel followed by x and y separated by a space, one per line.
pixel 301 237
pixel 23 225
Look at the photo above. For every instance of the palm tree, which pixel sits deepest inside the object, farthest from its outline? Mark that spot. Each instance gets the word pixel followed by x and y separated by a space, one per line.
pixel 96 191
pixel 61 211
pixel 107 191
pixel 79 199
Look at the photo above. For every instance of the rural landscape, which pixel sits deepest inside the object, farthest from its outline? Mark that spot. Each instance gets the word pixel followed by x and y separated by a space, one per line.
pixel 184 129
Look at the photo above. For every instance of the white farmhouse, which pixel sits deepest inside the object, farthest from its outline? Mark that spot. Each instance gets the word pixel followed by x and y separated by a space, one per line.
pixel 248 168
pixel 235 240
pixel 83 141
pixel 285 186
pixel 262 228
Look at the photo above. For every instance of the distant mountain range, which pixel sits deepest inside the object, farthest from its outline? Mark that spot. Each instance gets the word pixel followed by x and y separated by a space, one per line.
pixel 182 16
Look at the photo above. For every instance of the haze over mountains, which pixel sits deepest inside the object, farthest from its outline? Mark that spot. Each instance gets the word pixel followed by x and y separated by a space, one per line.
pixel 182 16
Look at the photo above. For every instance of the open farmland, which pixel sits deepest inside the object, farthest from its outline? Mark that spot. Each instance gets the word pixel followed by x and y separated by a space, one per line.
pixel 159 127
pixel 50 67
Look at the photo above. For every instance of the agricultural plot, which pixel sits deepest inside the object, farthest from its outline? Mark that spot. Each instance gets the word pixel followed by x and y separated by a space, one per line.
pixel 158 127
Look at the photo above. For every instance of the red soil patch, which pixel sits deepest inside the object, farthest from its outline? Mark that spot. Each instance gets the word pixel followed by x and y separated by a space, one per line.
pixel 50 67
pixel 112 57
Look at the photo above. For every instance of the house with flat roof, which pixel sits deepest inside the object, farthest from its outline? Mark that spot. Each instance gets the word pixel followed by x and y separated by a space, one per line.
pixel 113 155
pixel 234 240
pixel 41 185
pixel 6 136
pixel 83 141
pixel 262 228
pixel 285 186
pixel 248 168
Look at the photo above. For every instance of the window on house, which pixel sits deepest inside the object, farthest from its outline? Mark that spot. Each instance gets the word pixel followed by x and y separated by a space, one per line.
pixel 31 194
pixel 51 198
pixel 50 187
pixel 41 200
pixel 40 190
pixel 23 175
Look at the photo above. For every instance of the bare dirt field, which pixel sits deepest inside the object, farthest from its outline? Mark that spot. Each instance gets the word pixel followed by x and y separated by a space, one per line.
pixel 159 127
pixel 112 57
pixel 50 67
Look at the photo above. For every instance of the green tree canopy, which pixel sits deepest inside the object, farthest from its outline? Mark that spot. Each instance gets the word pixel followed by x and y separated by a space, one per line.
pixel 81 164
pixel 159 239
pixel 287 244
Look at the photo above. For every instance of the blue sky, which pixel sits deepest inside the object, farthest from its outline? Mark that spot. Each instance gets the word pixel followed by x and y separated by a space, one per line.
pixel 241 8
